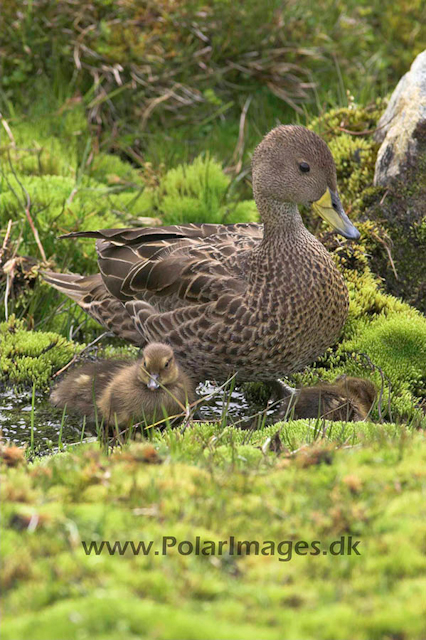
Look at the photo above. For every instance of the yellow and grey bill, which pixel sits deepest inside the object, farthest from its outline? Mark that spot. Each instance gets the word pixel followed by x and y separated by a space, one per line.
pixel 331 210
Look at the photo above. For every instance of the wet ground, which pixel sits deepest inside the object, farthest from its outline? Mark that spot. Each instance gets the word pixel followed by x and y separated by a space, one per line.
pixel 47 429
pixel 19 418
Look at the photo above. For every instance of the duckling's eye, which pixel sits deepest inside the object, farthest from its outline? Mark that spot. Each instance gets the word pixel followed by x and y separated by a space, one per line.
pixel 303 166
pixel 166 364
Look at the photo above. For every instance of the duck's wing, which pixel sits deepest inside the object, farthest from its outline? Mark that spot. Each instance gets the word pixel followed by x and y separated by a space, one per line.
pixel 136 236
pixel 91 294
pixel 188 264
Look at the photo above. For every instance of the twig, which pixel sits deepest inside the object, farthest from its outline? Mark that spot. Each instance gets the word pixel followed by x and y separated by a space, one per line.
pixel 9 279
pixel 6 239
pixel 9 269
pixel 32 225
pixel 239 148
pixel 8 130
pixel 27 211
pixel 388 251
pixel 152 104
pixel 384 197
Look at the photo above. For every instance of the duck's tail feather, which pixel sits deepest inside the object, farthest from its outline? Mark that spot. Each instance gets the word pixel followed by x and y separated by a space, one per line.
pixel 81 289
pixel 91 294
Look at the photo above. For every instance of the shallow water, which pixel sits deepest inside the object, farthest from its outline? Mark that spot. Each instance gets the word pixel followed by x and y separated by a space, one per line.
pixel 218 402
pixel 16 413
pixel 15 422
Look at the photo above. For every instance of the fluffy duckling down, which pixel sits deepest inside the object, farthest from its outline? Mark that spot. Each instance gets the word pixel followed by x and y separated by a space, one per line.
pixel 122 392
pixel 346 399
pixel 82 387
pixel 148 390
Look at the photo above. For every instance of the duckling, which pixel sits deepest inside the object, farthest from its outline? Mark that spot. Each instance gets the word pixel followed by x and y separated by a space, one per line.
pixel 347 399
pixel 82 387
pixel 147 390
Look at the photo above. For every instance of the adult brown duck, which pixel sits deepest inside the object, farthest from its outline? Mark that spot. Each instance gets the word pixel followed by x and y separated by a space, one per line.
pixel 259 300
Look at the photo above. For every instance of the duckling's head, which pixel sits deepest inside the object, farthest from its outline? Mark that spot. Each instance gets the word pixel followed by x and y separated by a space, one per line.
pixel 359 388
pixel 291 166
pixel 158 367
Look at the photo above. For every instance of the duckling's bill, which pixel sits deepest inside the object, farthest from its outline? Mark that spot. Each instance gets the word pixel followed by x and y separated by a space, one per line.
pixel 153 382
pixel 331 210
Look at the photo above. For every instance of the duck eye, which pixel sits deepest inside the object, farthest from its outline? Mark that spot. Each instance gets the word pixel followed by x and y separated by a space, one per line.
pixel 166 364
pixel 303 166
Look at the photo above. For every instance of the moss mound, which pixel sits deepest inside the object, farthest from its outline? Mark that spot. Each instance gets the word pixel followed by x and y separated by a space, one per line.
pixel 32 357
pixel 51 172
pixel 197 192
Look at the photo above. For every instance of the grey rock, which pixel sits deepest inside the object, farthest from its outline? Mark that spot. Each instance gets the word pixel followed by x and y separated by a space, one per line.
pixel 402 127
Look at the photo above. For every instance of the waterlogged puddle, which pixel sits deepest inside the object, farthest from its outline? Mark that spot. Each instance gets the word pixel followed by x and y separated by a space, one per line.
pixel 219 403
pixel 16 413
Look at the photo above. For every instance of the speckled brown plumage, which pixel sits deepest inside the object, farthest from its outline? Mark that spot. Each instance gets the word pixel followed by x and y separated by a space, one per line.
pixel 259 300
pixel 347 399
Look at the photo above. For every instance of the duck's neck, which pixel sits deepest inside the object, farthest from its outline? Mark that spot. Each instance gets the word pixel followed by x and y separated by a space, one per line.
pixel 282 222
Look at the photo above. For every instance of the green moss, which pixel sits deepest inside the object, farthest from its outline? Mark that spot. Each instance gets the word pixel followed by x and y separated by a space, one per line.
pixel 356 118
pixel 373 493
pixel 355 159
pixel 397 344
pixel 31 357
pixel 52 170
pixel 197 192
pixel 224 447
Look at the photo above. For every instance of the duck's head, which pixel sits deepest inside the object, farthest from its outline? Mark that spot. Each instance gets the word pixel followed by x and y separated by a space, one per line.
pixel 158 367
pixel 292 165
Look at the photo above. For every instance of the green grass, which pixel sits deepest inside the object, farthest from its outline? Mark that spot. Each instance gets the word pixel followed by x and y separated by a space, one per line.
pixel 371 489
pixel 181 72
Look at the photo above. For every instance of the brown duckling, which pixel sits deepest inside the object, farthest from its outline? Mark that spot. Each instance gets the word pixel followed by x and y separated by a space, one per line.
pixel 82 387
pixel 346 399
pixel 147 390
